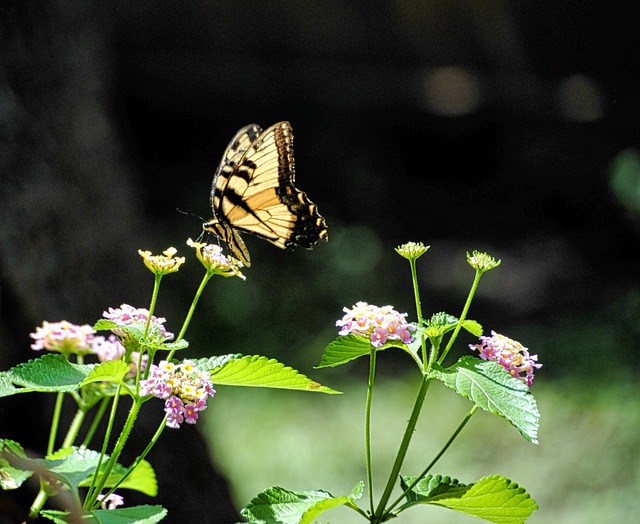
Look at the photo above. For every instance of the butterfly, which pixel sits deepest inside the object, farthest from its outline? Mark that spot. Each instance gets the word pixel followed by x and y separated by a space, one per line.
pixel 253 191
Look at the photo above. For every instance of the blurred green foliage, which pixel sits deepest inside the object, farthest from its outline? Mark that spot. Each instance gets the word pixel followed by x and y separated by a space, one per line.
pixel 585 470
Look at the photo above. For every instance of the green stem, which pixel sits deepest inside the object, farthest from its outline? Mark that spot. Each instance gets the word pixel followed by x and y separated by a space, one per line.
pixel 372 374
pixel 416 290
pixel 463 316
pixel 96 422
pixel 435 459
pixel 74 428
pixel 91 493
pixel 416 295
pixel 38 502
pixel 194 303
pixel 139 459
pixel 55 423
pixel 404 446
pixel 115 455
pixel 152 306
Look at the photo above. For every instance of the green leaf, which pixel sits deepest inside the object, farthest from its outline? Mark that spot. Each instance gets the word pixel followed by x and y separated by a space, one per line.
pixel 490 387
pixel 10 476
pixel 213 363
pixel 169 346
pixel 280 506
pixel 136 330
pixel 431 487
pixel 142 479
pixel 109 371
pixel 344 349
pixel 473 327
pixel 105 325
pixel 349 347
pixel 258 371
pixel 76 467
pixel 495 499
pixel 441 323
pixel 49 373
pixel 134 514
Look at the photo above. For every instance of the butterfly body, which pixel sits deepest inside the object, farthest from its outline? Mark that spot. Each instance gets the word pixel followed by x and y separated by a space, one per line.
pixel 253 191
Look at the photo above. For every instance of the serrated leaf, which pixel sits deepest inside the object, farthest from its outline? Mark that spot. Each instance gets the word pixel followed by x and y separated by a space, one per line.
pixel 142 479
pixel 136 330
pixel 494 498
pixel 492 388
pixel 258 371
pixel 357 491
pixel 213 363
pixel 49 373
pixel 169 346
pixel 432 487
pixel 346 348
pixel 473 327
pixel 104 325
pixel 441 323
pixel 109 371
pixel 75 467
pixel 133 515
pixel 280 506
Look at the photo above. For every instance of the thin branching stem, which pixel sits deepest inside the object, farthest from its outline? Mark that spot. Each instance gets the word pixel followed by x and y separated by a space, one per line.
pixel 372 374
pixel 424 473
pixel 404 446
pixel 463 316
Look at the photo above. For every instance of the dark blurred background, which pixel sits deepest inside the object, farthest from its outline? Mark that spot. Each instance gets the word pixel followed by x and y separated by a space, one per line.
pixel 510 127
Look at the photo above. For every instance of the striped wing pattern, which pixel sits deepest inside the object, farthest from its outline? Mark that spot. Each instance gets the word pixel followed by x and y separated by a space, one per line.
pixel 253 191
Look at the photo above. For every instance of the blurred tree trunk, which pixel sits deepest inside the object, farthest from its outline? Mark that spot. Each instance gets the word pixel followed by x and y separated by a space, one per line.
pixel 71 222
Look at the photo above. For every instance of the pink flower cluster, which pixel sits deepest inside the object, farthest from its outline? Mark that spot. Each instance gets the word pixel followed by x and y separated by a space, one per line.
pixel 510 354
pixel 67 338
pixel 126 315
pixel 111 349
pixel 110 501
pixel 184 388
pixel 63 337
pixel 379 324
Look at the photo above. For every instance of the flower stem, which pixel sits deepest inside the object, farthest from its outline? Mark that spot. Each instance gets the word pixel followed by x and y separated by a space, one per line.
pixel 416 289
pixel 55 422
pixel 372 374
pixel 96 421
pixel 435 459
pixel 416 294
pixel 74 428
pixel 93 492
pixel 139 459
pixel 38 502
pixel 152 306
pixel 194 303
pixel 463 316
pixel 404 446
pixel 115 455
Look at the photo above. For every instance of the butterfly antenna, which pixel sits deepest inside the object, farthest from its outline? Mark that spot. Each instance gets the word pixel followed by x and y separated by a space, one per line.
pixel 190 214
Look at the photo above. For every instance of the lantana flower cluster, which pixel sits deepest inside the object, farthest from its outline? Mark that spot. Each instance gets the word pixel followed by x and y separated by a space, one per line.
pixel 126 315
pixel 183 387
pixel 211 256
pixel 379 324
pixel 510 354
pixel 67 338
pixel 64 337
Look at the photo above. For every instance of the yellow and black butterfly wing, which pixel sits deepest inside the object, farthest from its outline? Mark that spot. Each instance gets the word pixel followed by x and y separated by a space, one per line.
pixel 254 192
pixel 233 154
